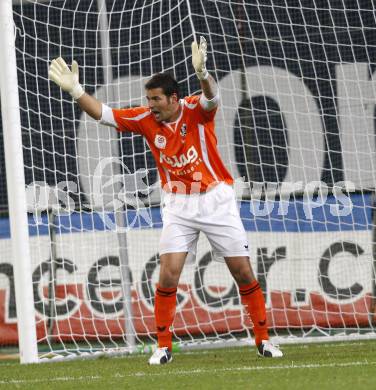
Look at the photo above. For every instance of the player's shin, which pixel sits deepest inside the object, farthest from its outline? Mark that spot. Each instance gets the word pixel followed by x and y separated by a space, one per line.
pixel 253 299
pixel 164 309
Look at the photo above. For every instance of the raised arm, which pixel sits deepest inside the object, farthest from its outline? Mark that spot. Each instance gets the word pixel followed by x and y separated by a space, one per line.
pixel 68 81
pixel 207 82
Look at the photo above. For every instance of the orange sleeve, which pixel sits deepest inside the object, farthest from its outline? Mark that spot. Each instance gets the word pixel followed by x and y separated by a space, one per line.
pixel 130 119
pixel 206 116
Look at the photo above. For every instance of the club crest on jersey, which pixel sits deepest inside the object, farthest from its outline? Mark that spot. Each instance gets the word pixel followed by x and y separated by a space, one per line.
pixel 160 141
pixel 183 130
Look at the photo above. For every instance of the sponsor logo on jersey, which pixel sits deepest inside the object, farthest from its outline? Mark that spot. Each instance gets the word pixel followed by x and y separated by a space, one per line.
pixel 160 141
pixel 180 161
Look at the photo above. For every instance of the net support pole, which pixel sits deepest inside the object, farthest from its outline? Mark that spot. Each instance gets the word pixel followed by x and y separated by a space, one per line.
pixel 125 271
pixel 16 187
pixel 52 273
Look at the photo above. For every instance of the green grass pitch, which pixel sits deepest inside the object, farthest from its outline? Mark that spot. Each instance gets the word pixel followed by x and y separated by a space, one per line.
pixel 347 365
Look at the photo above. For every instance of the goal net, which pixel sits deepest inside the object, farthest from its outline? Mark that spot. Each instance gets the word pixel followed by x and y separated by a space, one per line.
pixel 295 127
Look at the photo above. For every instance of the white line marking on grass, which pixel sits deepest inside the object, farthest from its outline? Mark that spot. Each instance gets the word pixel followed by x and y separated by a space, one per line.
pixel 198 371
pixel 57 379
pixel 295 346
pixel 258 368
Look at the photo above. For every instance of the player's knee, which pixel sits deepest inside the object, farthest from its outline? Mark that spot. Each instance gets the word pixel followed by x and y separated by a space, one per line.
pixel 169 279
pixel 167 283
pixel 243 279
pixel 243 276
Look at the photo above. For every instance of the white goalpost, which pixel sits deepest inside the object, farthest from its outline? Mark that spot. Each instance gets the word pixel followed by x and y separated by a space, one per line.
pixel 16 188
pixel 81 220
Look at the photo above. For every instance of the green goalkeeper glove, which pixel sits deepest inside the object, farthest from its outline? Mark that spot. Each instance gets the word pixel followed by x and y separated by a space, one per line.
pixel 65 78
pixel 199 57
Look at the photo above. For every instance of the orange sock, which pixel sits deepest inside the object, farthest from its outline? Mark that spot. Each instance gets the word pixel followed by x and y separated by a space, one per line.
pixel 164 310
pixel 252 298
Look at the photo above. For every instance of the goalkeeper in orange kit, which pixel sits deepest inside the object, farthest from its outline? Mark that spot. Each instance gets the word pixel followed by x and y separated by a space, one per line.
pixel 197 188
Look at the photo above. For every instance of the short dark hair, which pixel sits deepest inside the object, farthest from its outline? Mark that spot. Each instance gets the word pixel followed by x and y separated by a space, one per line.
pixel 165 81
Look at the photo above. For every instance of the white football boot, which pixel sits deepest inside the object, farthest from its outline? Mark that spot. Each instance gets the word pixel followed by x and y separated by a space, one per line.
pixel 160 356
pixel 268 349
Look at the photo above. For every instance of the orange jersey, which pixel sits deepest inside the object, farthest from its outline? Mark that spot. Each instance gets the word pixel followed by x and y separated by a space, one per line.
pixel 186 151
